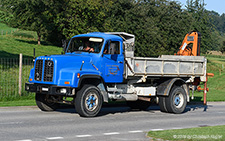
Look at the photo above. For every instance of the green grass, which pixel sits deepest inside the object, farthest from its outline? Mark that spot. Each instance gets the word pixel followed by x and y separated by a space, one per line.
pixel 191 134
pixel 18 102
pixel 9 82
pixel 21 41
pixel 12 46
pixel 25 34
pixel 4 28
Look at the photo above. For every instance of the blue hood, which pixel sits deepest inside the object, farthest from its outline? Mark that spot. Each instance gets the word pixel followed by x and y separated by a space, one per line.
pixel 66 68
pixel 69 60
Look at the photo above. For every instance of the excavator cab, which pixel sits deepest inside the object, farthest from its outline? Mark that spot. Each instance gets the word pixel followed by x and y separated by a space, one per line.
pixel 190 45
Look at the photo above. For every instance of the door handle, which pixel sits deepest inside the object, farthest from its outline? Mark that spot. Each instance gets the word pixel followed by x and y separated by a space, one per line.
pixel 120 62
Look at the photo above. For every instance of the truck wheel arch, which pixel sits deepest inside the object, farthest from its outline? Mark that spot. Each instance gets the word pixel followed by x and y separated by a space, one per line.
pixel 95 80
pixel 164 88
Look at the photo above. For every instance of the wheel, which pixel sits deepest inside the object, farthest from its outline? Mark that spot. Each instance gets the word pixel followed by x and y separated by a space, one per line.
pixel 177 100
pixel 162 104
pixel 88 101
pixel 139 104
pixel 45 102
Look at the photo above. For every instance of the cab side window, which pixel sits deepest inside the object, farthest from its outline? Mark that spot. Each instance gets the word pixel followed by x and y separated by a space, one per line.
pixel 106 48
pixel 112 47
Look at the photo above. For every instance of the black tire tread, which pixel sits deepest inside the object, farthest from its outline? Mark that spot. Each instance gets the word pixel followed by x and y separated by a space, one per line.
pixel 162 104
pixel 42 103
pixel 79 99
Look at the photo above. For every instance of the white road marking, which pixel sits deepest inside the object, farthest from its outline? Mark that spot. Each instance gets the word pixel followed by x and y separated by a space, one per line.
pixel 54 138
pixel 137 131
pixel 157 129
pixel 11 123
pixel 24 140
pixel 112 133
pixel 176 128
pixel 82 136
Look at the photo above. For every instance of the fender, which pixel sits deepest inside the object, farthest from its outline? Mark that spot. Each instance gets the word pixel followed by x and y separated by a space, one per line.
pixel 164 88
pixel 101 84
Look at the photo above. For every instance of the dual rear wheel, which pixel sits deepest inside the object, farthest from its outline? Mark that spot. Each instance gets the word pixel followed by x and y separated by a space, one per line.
pixel 174 103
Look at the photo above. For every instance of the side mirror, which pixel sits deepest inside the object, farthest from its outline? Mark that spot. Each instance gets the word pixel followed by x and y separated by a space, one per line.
pixel 64 46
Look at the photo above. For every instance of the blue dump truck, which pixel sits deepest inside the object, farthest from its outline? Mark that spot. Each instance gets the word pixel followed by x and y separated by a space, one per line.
pixel 99 67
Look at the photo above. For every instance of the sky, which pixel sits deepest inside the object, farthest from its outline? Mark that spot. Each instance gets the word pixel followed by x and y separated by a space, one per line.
pixel 215 5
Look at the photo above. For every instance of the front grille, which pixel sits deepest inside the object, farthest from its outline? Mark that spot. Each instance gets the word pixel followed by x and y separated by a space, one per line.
pixel 38 70
pixel 48 71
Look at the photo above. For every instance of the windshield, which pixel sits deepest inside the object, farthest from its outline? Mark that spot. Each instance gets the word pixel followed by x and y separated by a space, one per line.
pixel 85 44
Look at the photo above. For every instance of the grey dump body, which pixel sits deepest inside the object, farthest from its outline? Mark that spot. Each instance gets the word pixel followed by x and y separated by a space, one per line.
pixel 167 66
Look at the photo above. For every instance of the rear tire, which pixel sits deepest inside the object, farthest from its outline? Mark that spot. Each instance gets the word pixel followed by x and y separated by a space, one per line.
pixel 138 105
pixel 88 101
pixel 162 104
pixel 177 100
pixel 45 102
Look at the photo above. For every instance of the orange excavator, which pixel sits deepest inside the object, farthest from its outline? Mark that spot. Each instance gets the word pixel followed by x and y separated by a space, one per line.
pixel 191 47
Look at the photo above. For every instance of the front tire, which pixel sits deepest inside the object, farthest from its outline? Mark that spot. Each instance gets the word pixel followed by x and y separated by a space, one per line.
pixel 45 102
pixel 88 101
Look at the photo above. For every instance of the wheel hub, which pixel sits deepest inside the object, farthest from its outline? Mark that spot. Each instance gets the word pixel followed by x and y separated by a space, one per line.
pixel 91 102
pixel 177 100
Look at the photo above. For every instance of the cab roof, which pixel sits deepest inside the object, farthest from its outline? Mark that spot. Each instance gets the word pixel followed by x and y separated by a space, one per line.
pixel 100 35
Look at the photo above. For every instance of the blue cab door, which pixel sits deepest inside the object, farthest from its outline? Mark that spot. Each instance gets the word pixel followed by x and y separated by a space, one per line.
pixel 112 64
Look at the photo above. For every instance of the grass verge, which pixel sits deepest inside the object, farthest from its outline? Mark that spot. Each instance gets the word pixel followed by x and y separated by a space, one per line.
pixel 193 134
pixel 21 102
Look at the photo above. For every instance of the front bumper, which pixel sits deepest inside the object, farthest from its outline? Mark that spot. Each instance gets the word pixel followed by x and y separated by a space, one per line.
pixel 49 89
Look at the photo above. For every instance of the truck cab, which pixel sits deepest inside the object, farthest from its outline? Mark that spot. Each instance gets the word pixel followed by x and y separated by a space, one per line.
pixel 95 59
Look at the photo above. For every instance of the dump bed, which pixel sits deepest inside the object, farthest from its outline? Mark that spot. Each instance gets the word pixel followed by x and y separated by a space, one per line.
pixel 167 66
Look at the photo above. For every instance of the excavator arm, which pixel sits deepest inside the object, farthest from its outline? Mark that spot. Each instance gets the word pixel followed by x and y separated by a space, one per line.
pixel 190 45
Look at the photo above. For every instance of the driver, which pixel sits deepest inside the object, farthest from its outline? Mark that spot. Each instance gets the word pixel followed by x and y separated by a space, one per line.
pixel 88 48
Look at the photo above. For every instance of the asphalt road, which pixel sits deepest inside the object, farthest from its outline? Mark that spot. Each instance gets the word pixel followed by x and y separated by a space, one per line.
pixel 114 123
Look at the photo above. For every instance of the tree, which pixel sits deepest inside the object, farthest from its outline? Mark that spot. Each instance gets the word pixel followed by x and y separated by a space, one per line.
pixel 34 15
pixel 222 48
pixel 201 22
pixel 29 15
pixel 158 25
pixel 80 16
